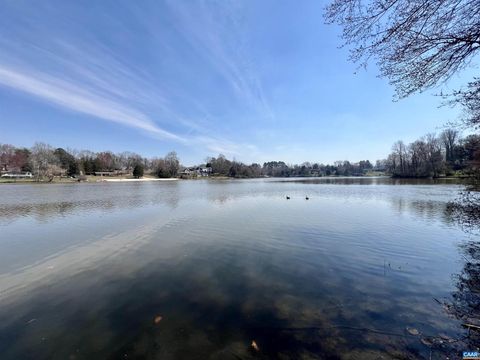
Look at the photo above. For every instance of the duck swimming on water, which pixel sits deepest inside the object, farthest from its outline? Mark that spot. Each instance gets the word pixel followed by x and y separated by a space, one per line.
pixel 306 198
pixel 288 197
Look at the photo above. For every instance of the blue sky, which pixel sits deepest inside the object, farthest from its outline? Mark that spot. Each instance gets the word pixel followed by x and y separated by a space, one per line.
pixel 254 80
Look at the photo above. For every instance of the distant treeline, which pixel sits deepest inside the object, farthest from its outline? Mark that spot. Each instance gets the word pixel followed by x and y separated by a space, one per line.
pixel 447 154
pixel 433 156
pixel 224 167
pixel 430 156
pixel 44 161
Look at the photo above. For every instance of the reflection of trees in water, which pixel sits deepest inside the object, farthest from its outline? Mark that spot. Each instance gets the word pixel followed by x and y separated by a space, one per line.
pixel 467 298
pixel 423 209
pixel 220 320
pixel 91 197
pixel 44 211
pixel 132 198
pixel 466 210
pixel 464 304
pixel 366 180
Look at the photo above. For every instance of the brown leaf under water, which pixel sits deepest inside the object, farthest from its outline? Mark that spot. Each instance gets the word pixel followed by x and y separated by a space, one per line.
pixel 426 342
pixel 413 331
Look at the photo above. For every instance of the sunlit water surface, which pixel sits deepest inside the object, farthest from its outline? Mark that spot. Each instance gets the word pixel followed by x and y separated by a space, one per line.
pixel 200 269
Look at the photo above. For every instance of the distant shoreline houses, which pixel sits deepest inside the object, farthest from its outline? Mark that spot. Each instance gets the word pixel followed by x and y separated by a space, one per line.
pixel 196 171
pixel 111 173
pixel 430 156
pixel 17 175
pixel 14 172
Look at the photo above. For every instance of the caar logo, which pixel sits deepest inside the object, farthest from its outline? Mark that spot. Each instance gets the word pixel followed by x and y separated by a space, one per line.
pixel 471 355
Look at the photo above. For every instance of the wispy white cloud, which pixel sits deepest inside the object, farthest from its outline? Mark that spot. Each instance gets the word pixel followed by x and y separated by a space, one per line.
pixel 214 31
pixel 103 71
pixel 72 97
pixel 88 101
pixel 81 72
pixel 218 146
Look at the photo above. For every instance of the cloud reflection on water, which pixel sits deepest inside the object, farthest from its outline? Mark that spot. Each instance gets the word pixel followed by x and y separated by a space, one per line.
pixel 224 263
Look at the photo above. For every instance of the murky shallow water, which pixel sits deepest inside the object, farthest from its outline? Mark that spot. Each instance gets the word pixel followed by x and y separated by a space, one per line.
pixel 85 269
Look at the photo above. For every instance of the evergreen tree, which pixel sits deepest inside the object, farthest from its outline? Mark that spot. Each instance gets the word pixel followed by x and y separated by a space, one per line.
pixel 138 171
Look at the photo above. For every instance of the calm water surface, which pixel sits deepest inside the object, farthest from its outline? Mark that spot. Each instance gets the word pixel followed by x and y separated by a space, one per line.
pixel 200 269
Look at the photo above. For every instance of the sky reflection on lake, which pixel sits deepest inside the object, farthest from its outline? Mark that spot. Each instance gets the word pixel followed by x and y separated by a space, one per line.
pixel 86 268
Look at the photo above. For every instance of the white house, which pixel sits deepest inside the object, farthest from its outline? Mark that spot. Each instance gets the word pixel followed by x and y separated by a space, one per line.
pixel 27 175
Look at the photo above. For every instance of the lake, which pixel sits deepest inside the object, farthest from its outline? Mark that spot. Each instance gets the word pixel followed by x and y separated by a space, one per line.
pixel 200 269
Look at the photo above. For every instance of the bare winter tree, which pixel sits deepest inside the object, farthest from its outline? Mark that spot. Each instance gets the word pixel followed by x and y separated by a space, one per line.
pixel 399 151
pixel 469 98
pixel 42 158
pixel 172 163
pixel 449 139
pixel 7 152
pixel 416 44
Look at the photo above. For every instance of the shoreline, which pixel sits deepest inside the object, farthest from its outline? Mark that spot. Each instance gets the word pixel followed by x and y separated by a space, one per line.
pixel 141 179
pixel 94 180
pixel 75 181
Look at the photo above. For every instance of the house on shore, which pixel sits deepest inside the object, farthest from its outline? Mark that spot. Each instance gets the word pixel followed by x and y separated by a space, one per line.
pixel 195 171
pixel 112 173
pixel 12 175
